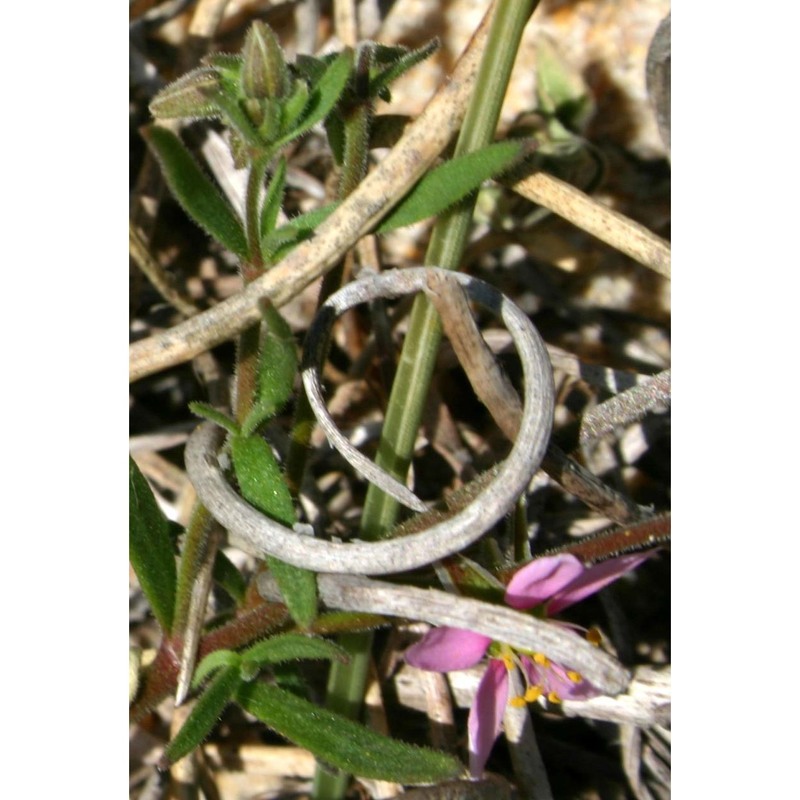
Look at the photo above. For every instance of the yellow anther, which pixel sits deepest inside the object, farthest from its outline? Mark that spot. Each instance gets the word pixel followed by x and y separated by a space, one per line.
pixel 575 677
pixel 593 636
pixel 553 697
pixel 533 693
pixel 507 660
pixel 517 702
pixel 541 659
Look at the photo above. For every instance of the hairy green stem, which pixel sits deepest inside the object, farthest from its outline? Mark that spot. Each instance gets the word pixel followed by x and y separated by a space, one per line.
pixel 346 682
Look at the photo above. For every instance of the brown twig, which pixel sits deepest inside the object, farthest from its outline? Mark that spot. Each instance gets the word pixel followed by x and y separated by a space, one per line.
pixel 609 226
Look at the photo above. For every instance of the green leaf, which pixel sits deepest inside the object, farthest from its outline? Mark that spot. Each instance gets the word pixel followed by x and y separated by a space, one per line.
pixel 295 106
pixel 452 181
pixel 348 622
pixel 263 486
pixel 205 714
pixel 398 64
pixel 214 415
pixel 292 647
pixel 213 662
pixel 195 191
pixel 229 578
pixel 261 479
pixel 343 743
pixel 324 96
pixel 151 551
pixel 277 244
pixel 273 200
pixel 277 367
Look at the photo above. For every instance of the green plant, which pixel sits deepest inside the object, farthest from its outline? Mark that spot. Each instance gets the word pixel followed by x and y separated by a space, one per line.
pixel 266 104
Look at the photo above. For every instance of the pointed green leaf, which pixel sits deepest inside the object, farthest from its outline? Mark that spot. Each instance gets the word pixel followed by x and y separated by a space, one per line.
pixel 399 64
pixel 205 714
pixel 214 415
pixel 277 367
pixel 277 244
pixel 452 181
pixel 299 589
pixel 292 647
pixel 195 191
pixel 343 743
pixel 261 479
pixel 324 96
pixel 263 486
pixel 212 662
pixel 273 200
pixel 151 551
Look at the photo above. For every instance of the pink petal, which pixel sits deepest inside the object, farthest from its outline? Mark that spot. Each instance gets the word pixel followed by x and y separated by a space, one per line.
pixel 541 579
pixel 568 689
pixel 593 579
pixel 486 715
pixel 445 649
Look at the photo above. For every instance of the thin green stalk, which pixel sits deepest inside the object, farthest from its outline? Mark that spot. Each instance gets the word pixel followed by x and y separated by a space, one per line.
pixel 412 382
pixel 345 695
pixel 248 344
pixel 410 388
pixel 354 168
pixel 345 691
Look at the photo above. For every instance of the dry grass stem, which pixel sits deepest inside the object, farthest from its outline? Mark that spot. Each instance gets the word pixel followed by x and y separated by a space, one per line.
pixel 609 226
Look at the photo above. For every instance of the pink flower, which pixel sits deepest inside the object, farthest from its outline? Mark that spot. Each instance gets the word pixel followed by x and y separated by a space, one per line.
pixel 554 583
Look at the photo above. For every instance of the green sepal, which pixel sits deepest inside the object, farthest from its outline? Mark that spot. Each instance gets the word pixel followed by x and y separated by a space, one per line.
pixel 194 95
pixel 273 199
pixel 264 72
pixel 277 367
pixel 205 714
pixel 214 415
pixel 213 662
pixel 200 197
pixel 293 647
pixel 324 96
pixel 152 553
pixel 263 486
pixel 452 181
pixel 343 743
pixel 229 68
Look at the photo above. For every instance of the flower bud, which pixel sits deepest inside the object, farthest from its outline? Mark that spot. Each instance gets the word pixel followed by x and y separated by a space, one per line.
pixel 193 95
pixel 264 71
